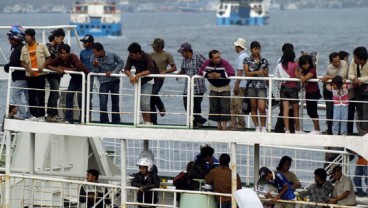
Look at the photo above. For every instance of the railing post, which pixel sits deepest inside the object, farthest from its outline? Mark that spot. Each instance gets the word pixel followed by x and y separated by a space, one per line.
pixel 190 100
pixel 7 167
pixel 234 180
pixel 123 173
pixel 87 110
pixel 9 92
pixel 269 112
pixel 83 111
pixel 31 166
pixel 256 165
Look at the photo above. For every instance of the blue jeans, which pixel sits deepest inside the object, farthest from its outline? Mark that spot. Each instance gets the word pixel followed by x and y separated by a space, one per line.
pixel 112 87
pixel 340 113
pixel 360 171
pixel 54 81
pixel 20 90
pixel 76 87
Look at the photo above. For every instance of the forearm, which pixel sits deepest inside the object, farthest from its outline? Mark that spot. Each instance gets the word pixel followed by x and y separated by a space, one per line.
pixel 342 196
pixel 171 70
pixel 143 73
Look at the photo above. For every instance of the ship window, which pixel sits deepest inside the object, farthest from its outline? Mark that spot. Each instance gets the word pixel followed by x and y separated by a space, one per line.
pixel 103 26
pixel 81 26
pixel 92 26
pixel 109 26
pixel 87 26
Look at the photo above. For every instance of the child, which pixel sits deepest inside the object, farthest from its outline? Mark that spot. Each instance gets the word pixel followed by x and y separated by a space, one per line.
pixel 285 191
pixel 145 180
pixel 340 97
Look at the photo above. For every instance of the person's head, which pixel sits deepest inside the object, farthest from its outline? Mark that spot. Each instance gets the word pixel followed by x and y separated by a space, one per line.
pixel 189 165
pixel 287 56
pixel 287 46
pixel 215 56
pixel 334 59
pixel 284 164
pixel 16 35
pixel 147 153
pixel 59 35
pixel 305 63
pixel 255 48
pixel 240 45
pixel 98 50
pixel 336 172
pixel 92 175
pixel 158 44
pixel 224 159
pixel 135 51
pixel 337 82
pixel 30 35
pixel 360 55
pixel 185 50
pixel 265 174
pixel 87 41
pixel 12 110
pixel 320 175
pixel 206 153
pixel 344 56
pixel 145 165
pixel 64 51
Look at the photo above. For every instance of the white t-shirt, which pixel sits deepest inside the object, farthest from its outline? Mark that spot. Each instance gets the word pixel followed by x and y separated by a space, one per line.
pixel 239 66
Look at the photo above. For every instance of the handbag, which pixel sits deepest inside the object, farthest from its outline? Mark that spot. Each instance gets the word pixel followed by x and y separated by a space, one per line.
pixel 363 88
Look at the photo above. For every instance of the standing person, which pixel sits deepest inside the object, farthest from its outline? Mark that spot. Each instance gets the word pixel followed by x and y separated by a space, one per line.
pixel 57 39
pixel 257 66
pixel 240 90
pixel 20 94
pixel 320 191
pixel 340 96
pixel 220 177
pixel 337 67
pixel 35 55
pixel 343 193
pixel 219 87
pixel 163 60
pixel 312 92
pixel 109 63
pixel 284 168
pixel 189 66
pixel 144 66
pixel 146 180
pixel 361 171
pixel 69 61
pixel 91 195
pixel 358 74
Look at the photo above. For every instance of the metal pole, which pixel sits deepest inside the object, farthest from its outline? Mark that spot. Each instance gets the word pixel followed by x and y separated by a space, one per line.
pixel 256 165
pixel 234 184
pixel 9 92
pixel 190 101
pixel 88 98
pixel 123 173
pixel 269 116
pixel 83 100
pixel 31 166
pixel 145 144
pixel 7 167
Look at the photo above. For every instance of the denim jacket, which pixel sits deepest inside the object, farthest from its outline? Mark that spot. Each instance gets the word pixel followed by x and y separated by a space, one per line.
pixel 111 62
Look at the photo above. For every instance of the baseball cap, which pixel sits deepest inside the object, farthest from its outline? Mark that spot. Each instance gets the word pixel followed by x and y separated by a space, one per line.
pixel 158 42
pixel 87 38
pixel 184 46
pixel 335 169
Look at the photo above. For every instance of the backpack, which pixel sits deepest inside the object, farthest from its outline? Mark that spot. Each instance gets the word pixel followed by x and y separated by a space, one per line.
pixel 180 181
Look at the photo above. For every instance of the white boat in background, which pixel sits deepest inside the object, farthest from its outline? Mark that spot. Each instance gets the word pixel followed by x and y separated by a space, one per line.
pixel 45 163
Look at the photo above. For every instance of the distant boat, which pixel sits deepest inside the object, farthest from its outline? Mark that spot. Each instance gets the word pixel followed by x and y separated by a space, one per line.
pixel 96 17
pixel 290 6
pixel 245 12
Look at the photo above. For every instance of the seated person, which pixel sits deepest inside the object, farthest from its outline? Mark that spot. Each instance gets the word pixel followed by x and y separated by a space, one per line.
pixel 200 169
pixel 284 167
pixel 320 191
pixel 215 161
pixel 343 193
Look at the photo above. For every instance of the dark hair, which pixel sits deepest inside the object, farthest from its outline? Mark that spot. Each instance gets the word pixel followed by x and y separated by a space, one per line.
pixel 31 32
pixel 207 151
pixel 343 54
pixel 94 172
pixel 98 46
pixel 306 59
pixel 51 37
pixel 212 52
pixel 337 80
pixel 321 173
pixel 361 53
pixel 188 50
pixel 59 32
pixel 263 172
pixel 283 161
pixel 287 57
pixel 224 159
pixel 11 108
pixel 65 47
pixel 189 165
pixel 287 46
pixel 134 48
pixel 333 55
pixel 255 44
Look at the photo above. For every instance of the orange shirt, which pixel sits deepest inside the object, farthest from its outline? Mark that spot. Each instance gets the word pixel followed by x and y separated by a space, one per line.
pixel 362 161
pixel 32 55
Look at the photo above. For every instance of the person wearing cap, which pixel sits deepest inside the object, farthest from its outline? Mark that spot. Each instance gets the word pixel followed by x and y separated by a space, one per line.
pixel 285 190
pixel 189 66
pixel 236 103
pixel 19 80
pixel 343 193
pixel 108 63
pixel 217 71
pixel 35 55
pixel 56 39
pixel 144 66
pixel 163 60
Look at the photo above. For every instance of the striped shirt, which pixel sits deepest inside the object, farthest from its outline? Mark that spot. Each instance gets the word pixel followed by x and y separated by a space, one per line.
pixel 190 67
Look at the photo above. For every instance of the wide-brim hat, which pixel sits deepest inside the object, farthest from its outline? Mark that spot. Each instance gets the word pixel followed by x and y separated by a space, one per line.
pixel 241 43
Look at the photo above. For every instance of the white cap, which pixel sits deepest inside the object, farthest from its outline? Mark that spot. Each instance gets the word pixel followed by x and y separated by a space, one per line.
pixel 241 43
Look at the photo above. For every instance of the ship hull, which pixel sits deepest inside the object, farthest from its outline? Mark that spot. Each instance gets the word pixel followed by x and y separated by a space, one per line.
pixel 98 29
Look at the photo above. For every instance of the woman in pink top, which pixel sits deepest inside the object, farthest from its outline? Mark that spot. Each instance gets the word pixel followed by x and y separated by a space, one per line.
pixel 312 92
